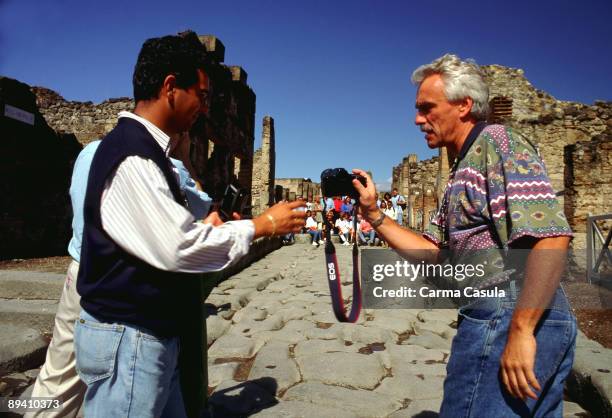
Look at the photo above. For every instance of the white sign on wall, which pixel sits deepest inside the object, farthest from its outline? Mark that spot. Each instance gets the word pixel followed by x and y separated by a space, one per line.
pixel 18 114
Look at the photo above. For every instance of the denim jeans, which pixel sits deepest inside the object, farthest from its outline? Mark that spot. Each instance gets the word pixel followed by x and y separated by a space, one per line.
pixel 371 236
pixel 473 387
pixel 315 236
pixel 128 371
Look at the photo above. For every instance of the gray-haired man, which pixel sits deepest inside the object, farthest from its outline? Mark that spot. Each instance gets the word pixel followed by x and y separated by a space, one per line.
pixel 504 361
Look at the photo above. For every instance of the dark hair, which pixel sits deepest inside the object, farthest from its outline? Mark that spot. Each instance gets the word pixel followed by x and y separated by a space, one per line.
pixel 181 55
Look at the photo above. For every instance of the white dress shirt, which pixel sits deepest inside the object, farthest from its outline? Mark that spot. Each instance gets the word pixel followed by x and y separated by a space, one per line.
pixel 140 214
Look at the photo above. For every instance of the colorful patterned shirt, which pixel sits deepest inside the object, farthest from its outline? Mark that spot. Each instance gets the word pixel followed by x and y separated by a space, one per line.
pixel 497 193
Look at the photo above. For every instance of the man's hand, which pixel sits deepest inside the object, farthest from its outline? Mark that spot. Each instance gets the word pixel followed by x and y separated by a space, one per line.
pixel 213 218
pixel 281 219
pixel 367 196
pixel 517 365
pixel 545 264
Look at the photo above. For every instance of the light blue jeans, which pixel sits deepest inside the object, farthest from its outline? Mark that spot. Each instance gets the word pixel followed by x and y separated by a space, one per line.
pixel 128 371
pixel 369 239
pixel 473 387
pixel 315 236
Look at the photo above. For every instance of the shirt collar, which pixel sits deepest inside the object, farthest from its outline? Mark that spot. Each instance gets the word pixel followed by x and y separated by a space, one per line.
pixel 476 130
pixel 162 139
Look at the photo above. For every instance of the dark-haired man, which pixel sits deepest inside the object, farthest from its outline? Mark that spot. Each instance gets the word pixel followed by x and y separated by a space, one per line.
pixel 511 354
pixel 138 240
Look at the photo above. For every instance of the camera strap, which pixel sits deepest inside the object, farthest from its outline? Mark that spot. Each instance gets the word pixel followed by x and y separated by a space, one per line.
pixel 333 274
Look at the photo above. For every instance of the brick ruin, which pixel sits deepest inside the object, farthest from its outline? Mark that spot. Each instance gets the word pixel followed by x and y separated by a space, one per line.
pixel 264 161
pixel 292 188
pixel 574 140
pixel 422 184
pixel 37 158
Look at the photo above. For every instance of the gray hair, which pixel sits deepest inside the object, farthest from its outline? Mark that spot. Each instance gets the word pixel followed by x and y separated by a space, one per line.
pixel 461 79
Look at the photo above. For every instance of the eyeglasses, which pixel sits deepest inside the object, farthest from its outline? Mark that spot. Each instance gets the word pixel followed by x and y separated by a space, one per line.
pixel 204 95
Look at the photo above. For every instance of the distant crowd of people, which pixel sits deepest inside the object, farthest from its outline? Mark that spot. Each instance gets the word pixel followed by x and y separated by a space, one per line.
pixel 340 216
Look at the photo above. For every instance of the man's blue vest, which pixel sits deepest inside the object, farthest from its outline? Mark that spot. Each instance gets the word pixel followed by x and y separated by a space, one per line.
pixel 114 285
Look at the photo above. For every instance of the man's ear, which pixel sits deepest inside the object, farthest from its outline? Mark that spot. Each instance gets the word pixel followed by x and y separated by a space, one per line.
pixel 465 107
pixel 168 88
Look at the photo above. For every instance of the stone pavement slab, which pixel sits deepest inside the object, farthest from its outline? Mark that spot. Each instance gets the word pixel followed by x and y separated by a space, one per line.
pixel 21 348
pixel 363 403
pixel 300 409
pixel 232 398
pixel 412 387
pixel 343 369
pixel 273 360
pixel 233 346
pixel 313 347
pixel 428 339
pixel 421 408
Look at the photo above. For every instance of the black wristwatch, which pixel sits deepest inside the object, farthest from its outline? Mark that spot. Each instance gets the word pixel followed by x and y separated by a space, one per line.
pixel 379 221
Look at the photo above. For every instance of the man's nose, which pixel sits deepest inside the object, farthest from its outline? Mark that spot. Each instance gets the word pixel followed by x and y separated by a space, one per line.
pixel 419 119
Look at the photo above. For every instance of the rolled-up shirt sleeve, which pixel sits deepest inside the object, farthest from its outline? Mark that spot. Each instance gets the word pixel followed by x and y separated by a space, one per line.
pixel 140 214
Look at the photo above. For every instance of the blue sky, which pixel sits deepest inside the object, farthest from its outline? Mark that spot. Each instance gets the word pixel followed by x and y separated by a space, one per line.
pixel 335 75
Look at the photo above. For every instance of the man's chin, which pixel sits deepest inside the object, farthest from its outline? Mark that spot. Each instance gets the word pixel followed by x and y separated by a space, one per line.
pixel 432 143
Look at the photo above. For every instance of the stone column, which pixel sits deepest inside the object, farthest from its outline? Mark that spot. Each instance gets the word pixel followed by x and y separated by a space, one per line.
pixel 443 172
pixel 404 188
pixel 263 169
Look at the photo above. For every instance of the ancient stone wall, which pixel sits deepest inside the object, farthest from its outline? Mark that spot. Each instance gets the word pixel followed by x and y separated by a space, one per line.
pixel 264 161
pixel 35 169
pixel 85 120
pixel 296 187
pixel 588 180
pixel 418 182
pixel 549 123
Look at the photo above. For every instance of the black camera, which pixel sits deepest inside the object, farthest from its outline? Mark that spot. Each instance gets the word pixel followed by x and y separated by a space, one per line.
pixel 339 182
pixel 234 200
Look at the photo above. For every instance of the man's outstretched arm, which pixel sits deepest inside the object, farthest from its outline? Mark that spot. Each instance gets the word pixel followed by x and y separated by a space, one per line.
pixel 397 237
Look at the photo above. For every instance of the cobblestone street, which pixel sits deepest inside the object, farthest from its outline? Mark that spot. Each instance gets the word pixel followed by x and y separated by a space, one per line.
pixel 277 350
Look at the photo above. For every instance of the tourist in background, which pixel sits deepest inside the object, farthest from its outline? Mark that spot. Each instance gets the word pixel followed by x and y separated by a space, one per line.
pixel 387 199
pixel 367 234
pixel 344 228
pixel 347 206
pixel 318 209
pixel 329 227
pixel 388 210
pixel 338 204
pixel 399 203
pixel 329 204
pixel 312 228
pixel 310 204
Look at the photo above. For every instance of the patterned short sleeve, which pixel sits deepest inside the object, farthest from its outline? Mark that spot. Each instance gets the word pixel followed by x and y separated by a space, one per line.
pixel 433 231
pixel 521 198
